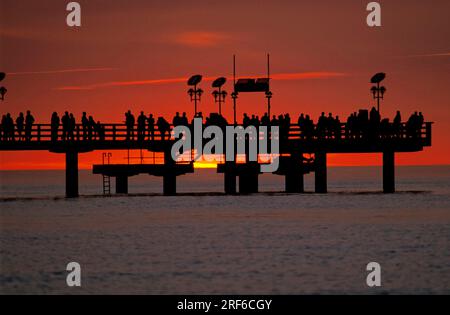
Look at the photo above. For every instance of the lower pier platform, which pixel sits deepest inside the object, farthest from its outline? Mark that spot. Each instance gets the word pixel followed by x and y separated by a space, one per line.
pixel 122 172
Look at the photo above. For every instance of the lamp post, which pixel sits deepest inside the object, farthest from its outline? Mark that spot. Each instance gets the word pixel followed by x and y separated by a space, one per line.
pixel 219 95
pixel 3 91
pixel 269 97
pixel 194 92
pixel 377 90
pixel 234 96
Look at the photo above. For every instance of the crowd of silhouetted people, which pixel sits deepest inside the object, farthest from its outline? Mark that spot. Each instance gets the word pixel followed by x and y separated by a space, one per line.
pixel 359 125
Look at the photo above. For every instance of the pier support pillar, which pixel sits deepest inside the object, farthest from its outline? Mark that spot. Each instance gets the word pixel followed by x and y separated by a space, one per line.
pixel 249 179
pixel 122 185
pixel 243 184
pixel 254 182
pixel 169 177
pixel 388 172
pixel 294 181
pixel 170 185
pixel 321 172
pixel 248 183
pixel 72 174
pixel 230 178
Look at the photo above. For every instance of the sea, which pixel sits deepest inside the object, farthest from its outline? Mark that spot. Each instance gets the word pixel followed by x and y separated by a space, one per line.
pixel 204 242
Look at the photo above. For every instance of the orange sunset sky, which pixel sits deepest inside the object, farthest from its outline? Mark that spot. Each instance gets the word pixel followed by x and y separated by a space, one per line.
pixel 137 54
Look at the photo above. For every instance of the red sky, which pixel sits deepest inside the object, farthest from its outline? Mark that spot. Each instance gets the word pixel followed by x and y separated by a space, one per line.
pixel 137 54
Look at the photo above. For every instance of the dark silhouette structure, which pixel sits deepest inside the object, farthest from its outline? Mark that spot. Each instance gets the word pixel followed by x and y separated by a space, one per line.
pixel 304 145
pixel 363 132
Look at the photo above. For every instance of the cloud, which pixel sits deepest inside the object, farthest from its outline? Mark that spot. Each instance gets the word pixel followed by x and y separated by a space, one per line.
pixel 446 54
pixel 276 76
pixel 61 71
pixel 201 39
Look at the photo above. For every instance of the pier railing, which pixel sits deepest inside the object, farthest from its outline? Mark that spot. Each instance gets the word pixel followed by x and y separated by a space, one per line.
pixel 44 133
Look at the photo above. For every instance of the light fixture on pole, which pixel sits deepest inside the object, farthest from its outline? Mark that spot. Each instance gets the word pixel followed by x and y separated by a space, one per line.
pixel 377 90
pixel 219 95
pixel 194 92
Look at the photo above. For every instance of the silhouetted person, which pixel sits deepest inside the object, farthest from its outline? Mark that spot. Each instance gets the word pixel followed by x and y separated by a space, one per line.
pixel 8 127
pixel 129 122
pixel 385 130
pixel 329 125
pixel 163 127
pixel 274 121
pixel 246 121
pixel 308 127
pixel 85 124
pixel 55 121
pixel 20 121
pixel 92 128
pixel 374 123
pixel 151 127
pixel 397 124
pixel 65 120
pixel 176 121
pixel 184 120
pixel 301 125
pixel 29 121
pixel 337 128
pixel 265 120
pixel 362 123
pixel 141 122
pixel 71 129
pixel 321 126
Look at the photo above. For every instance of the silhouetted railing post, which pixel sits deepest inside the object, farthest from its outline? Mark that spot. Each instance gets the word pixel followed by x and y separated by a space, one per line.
pixel 39 133
pixel 114 133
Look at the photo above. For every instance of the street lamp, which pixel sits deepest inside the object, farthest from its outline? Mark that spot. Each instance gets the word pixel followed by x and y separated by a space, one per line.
pixel 268 96
pixel 219 95
pixel 3 91
pixel 194 92
pixel 234 96
pixel 377 90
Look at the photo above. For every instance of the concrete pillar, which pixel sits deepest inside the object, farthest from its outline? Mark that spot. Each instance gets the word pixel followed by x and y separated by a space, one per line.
pixel 122 184
pixel 294 181
pixel 253 182
pixel 169 177
pixel 249 179
pixel 321 172
pixel 388 172
pixel 243 184
pixel 170 184
pixel 72 174
pixel 230 178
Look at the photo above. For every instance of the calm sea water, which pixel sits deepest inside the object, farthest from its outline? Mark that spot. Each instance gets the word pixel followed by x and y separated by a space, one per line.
pixel 203 243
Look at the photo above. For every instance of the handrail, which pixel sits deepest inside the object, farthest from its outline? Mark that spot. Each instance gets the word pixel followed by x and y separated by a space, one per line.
pixel 120 132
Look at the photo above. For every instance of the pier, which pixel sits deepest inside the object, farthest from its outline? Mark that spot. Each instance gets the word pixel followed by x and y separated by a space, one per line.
pixel 299 155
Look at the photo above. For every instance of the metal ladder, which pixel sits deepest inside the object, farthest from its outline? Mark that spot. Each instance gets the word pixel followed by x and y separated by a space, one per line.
pixel 106 178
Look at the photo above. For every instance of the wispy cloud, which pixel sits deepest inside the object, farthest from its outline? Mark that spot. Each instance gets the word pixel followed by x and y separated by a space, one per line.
pixel 445 54
pixel 201 39
pixel 61 71
pixel 276 76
